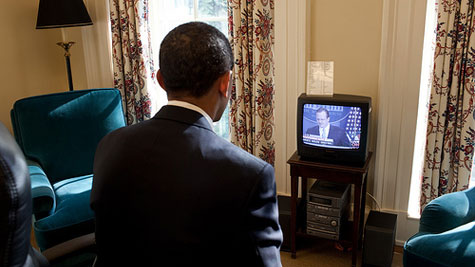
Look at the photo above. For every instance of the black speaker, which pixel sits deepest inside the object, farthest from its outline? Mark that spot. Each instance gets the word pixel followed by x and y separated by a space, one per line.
pixel 284 219
pixel 379 237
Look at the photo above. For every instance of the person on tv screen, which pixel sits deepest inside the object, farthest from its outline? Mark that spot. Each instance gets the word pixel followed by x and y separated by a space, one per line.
pixel 332 134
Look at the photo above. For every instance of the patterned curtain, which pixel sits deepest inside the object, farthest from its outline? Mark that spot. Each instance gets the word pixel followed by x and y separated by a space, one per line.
pixel 134 73
pixel 450 132
pixel 251 30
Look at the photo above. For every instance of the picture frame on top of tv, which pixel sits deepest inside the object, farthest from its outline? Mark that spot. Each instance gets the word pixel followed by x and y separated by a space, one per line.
pixel 333 129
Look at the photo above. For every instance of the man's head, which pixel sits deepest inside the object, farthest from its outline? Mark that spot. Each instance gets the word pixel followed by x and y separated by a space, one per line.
pixel 192 57
pixel 323 117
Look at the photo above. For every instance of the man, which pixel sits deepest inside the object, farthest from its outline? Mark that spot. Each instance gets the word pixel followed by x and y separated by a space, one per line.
pixel 169 191
pixel 325 131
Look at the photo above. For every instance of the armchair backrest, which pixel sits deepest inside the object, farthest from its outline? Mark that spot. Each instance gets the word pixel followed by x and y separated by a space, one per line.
pixel 61 131
pixel 448 212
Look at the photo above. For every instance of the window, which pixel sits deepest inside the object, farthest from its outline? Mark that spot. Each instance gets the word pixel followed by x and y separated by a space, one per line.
pixel 425 86
pixel 166 15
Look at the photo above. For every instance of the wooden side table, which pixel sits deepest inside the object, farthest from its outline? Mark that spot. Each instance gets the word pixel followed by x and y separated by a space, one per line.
pixel 335 173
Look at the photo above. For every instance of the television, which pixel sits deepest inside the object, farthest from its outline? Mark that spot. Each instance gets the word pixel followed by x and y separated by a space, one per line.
pixel 333 129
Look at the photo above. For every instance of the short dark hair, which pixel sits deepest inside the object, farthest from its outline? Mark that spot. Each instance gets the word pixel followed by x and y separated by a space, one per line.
pixel 192 57
pixel 323 110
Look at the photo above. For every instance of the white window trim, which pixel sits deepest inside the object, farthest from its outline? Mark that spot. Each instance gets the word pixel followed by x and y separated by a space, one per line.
pixel 97 46
pixel 399 87
pixel 291 52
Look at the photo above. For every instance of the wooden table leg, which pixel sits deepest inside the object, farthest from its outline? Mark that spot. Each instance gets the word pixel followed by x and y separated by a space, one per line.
pixel 304 189
pixel 363 214
pixel 303 201
pixel 293 214
pixel 356 220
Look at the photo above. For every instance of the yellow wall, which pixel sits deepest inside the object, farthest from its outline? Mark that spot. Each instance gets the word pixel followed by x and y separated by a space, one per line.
pixel 31 62
pixel 349 33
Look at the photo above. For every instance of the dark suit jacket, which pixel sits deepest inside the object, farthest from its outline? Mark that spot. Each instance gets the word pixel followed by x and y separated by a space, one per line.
pixel 336 133
pixel 169 190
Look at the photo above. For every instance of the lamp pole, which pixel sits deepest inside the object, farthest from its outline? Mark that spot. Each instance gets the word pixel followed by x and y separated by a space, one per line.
pixel 66 47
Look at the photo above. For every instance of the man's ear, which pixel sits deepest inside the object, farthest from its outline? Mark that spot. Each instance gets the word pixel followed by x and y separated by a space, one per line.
pixel 160 80
pixel 224 83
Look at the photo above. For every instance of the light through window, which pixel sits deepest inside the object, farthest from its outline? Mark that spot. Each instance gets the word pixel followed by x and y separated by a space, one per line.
pixel 425 86
pixel 166 15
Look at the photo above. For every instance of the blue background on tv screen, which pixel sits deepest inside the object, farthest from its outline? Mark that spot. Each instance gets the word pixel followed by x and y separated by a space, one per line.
pixel 348 118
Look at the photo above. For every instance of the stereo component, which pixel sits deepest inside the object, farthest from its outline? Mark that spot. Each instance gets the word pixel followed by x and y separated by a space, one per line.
pixel 327 209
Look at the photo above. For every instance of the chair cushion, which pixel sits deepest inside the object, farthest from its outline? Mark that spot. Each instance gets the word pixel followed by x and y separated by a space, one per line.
pixel 73 216
pixel 455 247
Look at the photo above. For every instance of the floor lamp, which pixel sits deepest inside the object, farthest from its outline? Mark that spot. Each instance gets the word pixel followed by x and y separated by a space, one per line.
pixel 62 14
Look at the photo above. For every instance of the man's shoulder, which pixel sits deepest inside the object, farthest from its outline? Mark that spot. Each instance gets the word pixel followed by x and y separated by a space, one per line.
pixel 237 156
pixel 337 129
pixel 124 135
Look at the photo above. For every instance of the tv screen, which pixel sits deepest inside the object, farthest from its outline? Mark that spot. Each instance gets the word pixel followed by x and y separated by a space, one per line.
pixel 333 129
pixel 331 126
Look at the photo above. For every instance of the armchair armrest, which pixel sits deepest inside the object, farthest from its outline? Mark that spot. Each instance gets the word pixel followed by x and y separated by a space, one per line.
pixel 448 211
pixel 42 192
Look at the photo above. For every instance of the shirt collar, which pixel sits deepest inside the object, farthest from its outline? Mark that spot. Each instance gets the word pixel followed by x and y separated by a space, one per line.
pixel 188 105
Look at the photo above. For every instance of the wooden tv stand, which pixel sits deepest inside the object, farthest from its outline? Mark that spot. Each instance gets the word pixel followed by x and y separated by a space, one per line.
pixel 335 173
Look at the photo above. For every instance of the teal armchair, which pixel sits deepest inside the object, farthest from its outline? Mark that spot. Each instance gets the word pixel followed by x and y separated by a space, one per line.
pixel 446 234
pixel 59 133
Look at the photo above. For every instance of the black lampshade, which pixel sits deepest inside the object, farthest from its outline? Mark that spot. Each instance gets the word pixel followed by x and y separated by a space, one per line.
pixel 62 13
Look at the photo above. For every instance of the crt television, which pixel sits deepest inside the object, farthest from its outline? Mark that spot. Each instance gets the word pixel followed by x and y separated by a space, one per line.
pixel 333 129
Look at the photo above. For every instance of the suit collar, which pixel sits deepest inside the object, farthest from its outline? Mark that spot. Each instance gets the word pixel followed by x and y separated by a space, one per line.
pixel 184 115
pixel 192 107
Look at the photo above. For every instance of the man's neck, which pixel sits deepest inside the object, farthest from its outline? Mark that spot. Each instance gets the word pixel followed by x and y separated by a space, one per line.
pixel 201 102
pixel 206 102
pixel 191 106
